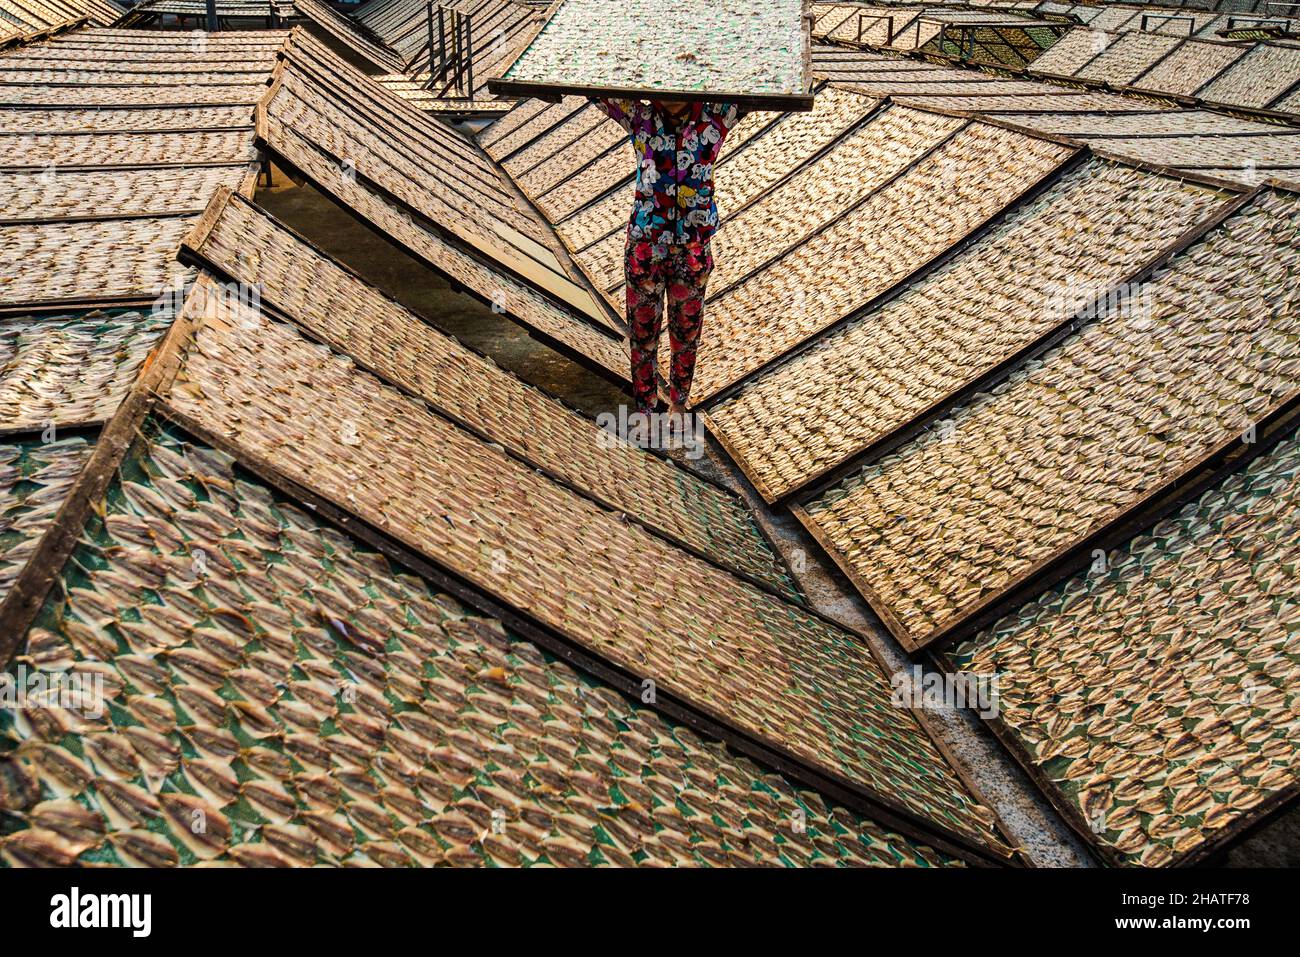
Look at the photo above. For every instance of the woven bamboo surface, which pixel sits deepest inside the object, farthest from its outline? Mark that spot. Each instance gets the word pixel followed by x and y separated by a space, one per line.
pixel 71 370
pixel 1092 230
pixel 1157 693
pixel 1158 381
pixel 35 477
pixel 359 321
pixel 517 300
pixel 771 669
pixel 453 742
pixel 972 176
pixel 127 149
pixel 92 260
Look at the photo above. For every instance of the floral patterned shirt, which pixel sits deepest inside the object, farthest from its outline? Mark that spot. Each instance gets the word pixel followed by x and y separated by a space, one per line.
pixel 674 177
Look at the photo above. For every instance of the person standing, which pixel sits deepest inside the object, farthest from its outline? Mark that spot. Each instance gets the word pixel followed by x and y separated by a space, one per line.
pixel 667 259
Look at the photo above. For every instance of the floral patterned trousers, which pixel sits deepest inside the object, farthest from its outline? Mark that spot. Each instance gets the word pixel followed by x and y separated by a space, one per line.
pixel 679 272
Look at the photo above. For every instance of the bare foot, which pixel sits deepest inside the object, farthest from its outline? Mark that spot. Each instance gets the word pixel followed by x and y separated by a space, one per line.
pixel 675 424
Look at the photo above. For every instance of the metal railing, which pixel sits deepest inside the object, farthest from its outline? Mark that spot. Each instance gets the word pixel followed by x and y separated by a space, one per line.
pixel 451 51
pixel 1163 19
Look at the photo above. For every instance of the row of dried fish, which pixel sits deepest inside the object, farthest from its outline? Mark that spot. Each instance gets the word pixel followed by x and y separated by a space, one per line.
pixel 723 644
pixel 1178 368
pixel 71 370
pixel 563 199
pixel 556 145
pixel 1033 270
pixel 276 694
pixel 122 258
pixel 1157 690
pixel 53 193
pixel 536 123
pixel 23 121
pixel 128 149
pixel 728 46
pixel 510 296
pixel 384 336
pixel 599 146
pixel 972 176
pixel 1122 62
pixel 1190 67
pixel 144 96
pixel 1073 51
pixel 1258 78
pixel 520 113
pixel 35 478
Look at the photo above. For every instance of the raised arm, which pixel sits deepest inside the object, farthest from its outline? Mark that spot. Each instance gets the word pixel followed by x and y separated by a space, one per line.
pixel 620 111
pixel 726 115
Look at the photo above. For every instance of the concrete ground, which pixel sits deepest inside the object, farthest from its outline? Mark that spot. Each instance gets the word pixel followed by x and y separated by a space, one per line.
pixel 1047 841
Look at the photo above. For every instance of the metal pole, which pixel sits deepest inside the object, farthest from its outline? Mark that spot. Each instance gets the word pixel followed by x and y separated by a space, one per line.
pixel 469 55
pixel 428 10
pixel 458 69
pixel 212 16
pixel 442 45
